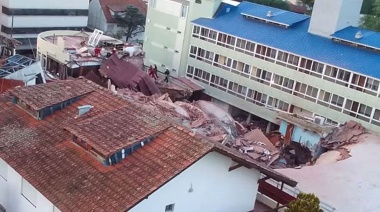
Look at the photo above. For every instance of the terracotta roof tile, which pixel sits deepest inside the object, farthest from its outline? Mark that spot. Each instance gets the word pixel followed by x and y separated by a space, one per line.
pixel 44 95
pixel 106 5
pixel 6 84
pixel 72 179
pixel 117 129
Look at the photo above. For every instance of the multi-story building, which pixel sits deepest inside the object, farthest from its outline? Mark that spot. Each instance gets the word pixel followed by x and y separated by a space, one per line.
pixel 102 16
pixel 264 60
pixel 24 20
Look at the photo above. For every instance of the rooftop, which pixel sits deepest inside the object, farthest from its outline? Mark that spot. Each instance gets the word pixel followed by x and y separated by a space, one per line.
pixel 103 132
pixel 366 38
pixel 14 63
pixel 45 95
pixel 273 15
pixel 125 73
pixel 73 180
pixel 294 39
pixel 6 84
pixel 74 39
pixel 120 5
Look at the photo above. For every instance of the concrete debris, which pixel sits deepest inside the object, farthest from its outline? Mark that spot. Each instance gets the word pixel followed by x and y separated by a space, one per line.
pixel 208 120
pixel 256 145
pixel 348 133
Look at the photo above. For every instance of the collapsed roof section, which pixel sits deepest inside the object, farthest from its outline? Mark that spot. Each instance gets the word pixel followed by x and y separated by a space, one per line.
pixel 125 74
pixel 15 63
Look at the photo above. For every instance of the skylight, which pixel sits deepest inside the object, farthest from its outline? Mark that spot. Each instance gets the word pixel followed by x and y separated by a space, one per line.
pixel 358 37
pixel 271 15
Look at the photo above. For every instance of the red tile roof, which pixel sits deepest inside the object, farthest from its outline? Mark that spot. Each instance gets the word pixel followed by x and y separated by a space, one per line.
pixel 106 132
pixel 125 74
pixel 6 84
pixel 73 180
pixel 44 95
pixel 106 5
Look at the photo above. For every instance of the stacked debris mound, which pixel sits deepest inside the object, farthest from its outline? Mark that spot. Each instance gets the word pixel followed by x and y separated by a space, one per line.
pixel 206 119
pixel 348 133
pixel 257 146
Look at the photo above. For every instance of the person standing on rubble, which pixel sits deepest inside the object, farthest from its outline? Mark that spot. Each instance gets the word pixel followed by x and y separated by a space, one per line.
pixel 155 71
pixel 167 73
pixel 152 72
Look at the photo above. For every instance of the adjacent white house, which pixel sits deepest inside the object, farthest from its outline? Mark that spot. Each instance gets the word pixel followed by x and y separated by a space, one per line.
pixel 24 20
pixel 101 16
pixel 113 156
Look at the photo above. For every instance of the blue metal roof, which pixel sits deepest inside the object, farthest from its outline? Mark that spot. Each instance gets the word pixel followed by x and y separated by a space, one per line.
pixel 370 38
pixel 295 39
pixel 277 15
pixel 15 63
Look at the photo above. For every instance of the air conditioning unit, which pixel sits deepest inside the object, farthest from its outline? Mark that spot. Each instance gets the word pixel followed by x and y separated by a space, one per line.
pixel 319 120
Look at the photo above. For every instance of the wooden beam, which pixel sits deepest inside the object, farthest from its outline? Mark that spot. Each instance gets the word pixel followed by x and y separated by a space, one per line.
pixel 234 167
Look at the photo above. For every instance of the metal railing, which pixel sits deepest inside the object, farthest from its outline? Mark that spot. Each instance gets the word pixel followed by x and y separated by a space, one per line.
pixel 294 191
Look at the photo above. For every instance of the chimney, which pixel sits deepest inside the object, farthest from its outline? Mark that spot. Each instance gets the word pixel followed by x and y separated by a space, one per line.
pixel 84 109
pixel 329 16
pixel 269 14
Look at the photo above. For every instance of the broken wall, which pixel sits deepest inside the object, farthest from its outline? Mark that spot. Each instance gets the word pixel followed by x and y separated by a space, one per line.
pixel 305 137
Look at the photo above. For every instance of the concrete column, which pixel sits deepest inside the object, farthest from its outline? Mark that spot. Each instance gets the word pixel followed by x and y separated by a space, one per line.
pixel 268 127
pixel 249 118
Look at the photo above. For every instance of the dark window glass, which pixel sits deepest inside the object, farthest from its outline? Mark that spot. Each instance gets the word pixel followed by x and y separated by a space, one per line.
pixel 43 12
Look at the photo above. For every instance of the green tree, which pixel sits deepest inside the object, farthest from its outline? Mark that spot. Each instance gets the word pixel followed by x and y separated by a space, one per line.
pixel 131 21
pixel 272 3
pixel 367 7
pixel 308 3
pixel 304 203
pixel 372 21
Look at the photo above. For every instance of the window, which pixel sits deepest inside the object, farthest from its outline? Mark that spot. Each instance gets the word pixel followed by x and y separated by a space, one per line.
pixel 372 84
pixel 196 30
pixel 29 192
pixel 169 208
pixel 190 71
pixel 184 11
pixel 198 1
pixel 3 169
pixel 44 12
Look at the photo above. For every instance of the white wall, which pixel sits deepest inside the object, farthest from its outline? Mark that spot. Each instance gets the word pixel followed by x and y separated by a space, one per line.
pixel 11 198
pixel 331 16
pixel 96 18
pixel 48 21
pixel 215 189
pixel 26 74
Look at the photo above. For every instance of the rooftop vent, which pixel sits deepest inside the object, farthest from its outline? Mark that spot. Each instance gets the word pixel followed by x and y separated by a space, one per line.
pixel 359 35
pixel 84 109
pixel 269 13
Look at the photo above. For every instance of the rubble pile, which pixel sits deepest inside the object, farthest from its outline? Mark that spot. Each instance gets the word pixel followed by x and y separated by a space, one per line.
pixel 208 120
pixel 348 133
pixel 257 146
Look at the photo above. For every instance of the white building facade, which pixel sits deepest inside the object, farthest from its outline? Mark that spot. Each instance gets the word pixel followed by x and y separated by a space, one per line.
pixel 217 190
pixel 17 194
pixel 24 20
